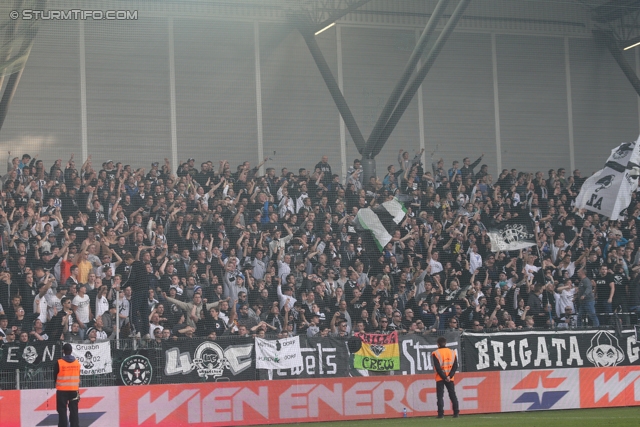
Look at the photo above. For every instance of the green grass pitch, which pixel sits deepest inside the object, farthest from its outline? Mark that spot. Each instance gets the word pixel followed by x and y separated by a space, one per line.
pixel 609 417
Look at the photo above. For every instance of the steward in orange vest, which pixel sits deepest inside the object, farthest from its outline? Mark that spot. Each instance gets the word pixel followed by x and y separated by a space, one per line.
pixel 67 373
pixel 445 365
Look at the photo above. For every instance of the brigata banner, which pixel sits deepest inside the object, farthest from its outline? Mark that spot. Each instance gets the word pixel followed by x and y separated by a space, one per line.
pixel 321 358
pixel 545 349
pixel 282 353
pixel 379 352
pixel 415 351
pixel 198 360
pixel 95 359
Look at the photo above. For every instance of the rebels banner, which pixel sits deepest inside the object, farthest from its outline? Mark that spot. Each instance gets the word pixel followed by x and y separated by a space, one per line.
pixel 95 359
pixel 378 352
pixel 546 349
pixel 197 360
pixel 321 358
pixel 283 353
pixel 415 351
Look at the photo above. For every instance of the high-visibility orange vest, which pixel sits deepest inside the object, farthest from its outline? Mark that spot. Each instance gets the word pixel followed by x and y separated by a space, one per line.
pixel 68 376
pixel 446 357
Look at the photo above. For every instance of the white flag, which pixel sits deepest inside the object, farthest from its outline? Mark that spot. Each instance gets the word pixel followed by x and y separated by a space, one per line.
pixel 282 353
pixel 94 359
pixel 609 190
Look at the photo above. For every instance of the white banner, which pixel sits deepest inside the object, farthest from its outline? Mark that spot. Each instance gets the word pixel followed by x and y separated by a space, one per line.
pixel 609 190
pixel 278 354
pixel 94 359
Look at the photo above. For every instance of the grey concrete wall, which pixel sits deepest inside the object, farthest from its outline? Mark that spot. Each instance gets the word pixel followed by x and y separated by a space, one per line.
pixel 130 68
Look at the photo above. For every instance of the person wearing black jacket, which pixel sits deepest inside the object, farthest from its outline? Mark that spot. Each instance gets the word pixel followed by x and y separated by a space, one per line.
pixel 467 169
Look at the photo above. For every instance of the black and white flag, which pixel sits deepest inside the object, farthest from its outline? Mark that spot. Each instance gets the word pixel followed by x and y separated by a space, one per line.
pixel 512 235
pixel 609 190
pixel 381 221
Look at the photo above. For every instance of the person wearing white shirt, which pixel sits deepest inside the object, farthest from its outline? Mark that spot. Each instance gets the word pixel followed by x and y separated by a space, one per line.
pixel 259 266
pixel 529 268
pixel 475 259
pixel 286 204
pixel 81 307
pixel 277 242
pixel 284 265
pixel 436 266
pixel 102 301
pixel 286 297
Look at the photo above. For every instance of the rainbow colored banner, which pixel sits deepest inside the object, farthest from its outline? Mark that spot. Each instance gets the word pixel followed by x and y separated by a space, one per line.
pixel 378 352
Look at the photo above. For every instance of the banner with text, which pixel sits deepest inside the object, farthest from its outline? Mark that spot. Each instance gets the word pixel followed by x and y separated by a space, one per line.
pixel 30 355
pixel 548 349
pixel 415 351
pixel 301 400
pixel 282 353
pixel 379 352
pixel 95 359
pixel 321 358
pixel 197 360
pixel 329 399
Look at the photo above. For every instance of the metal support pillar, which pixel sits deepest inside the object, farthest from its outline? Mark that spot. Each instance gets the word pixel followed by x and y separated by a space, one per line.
pixel 332 85
pixel 406 74
pixel 17 63
pixel 610 42
pixel 7 96
pixel 368 169
pixel 377 145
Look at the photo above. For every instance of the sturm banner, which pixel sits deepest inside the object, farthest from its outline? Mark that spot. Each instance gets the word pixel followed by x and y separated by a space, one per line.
pixel 548 349
pixel 415 351
pixel 198 360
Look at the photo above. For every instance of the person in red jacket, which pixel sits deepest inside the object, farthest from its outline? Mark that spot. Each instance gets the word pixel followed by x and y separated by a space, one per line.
pixel 445 364
pixel 67 373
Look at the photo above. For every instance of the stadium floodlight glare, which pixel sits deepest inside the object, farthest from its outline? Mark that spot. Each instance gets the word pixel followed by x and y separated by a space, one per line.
pixel 630 44
pixel 325 28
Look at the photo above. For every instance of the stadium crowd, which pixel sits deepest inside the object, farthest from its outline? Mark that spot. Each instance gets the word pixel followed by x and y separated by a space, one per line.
pixel 205 251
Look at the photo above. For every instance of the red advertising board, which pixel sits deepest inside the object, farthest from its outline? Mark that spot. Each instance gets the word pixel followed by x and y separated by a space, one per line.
pixel 9 408
pixel 271 402
pixel 329 399
pixel 606 387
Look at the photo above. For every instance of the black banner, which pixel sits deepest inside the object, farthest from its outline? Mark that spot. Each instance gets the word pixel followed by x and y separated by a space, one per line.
pixel 322 357
pixel 31 355
pixel 137 366
pixel 415 352
pixel 201 360
pixel 548 349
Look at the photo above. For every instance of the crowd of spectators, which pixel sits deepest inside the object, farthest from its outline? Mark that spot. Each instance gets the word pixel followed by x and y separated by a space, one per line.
pixel 206 252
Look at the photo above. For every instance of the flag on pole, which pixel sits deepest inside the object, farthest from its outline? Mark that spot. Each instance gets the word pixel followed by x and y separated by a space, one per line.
pixel 609 190
pixel 381 220
pixel 512 235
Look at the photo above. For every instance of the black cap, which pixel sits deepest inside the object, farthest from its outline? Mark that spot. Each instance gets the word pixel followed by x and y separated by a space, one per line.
pixel 67 349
